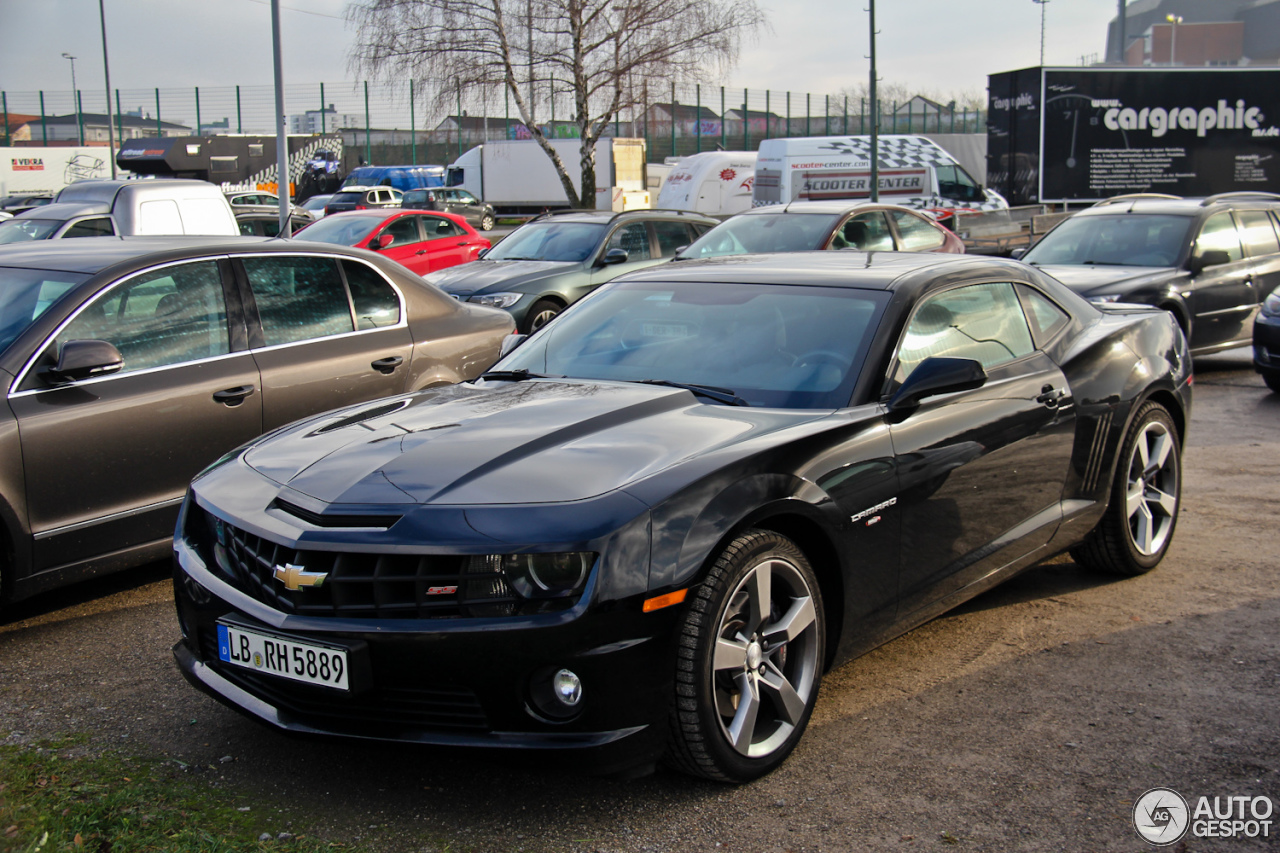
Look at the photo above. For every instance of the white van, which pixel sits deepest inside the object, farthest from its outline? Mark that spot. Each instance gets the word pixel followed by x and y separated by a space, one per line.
pixel 717 183
pixel 914 171
pixel 147 208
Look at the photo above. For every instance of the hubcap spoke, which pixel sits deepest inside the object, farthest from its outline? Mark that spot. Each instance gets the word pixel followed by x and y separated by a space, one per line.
pixel 1145 533
pixel 1168 503
pixel 793 623
pixel 730 654
pixel 744 721
pixel 789 703
pixel 1161 447
pixel 1134 499
pixel 760 592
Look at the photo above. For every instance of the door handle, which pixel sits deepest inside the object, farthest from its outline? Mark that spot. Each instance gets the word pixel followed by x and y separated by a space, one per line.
pixel 421 252
pixel 464 243
pixel 1049 396
pixel 388 364
pixel 232 396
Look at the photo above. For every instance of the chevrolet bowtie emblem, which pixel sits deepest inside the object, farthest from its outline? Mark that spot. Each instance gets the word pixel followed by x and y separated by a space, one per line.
pixel 296 577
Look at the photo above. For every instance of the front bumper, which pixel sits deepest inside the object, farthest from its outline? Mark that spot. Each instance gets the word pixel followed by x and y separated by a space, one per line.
pixel 447 681
pixel 1266 343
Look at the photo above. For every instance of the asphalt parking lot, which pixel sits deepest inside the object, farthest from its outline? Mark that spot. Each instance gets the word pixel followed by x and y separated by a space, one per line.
pixel 1028 720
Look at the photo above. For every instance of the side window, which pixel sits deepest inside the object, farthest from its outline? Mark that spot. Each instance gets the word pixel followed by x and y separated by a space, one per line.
pixel 248 228
pixel 1259 234
pixel 436 227
pixel 633 239
pixel 1219 234
pixel 916 234
pixel 466 197
pixel 298 298
pixel 866 232
pixel 375 302
pixel 404 230
pixel 1045 317
pixel 163 317
pixel 982 321
pixel 671 236
pixel 96 227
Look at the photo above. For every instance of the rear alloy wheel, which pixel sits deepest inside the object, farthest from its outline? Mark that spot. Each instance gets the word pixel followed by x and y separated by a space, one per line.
pixel 540 314
pixel 486 222
pixel 749 661
pixel 1142 512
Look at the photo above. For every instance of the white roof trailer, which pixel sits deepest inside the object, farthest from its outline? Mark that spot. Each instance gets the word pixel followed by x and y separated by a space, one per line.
pixel 717 183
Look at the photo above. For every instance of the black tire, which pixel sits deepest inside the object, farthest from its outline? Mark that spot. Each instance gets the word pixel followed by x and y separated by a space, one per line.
pixel 1272 378
pixel 486 222
pixel 539 314
pixel 713 733
pixel 1142 509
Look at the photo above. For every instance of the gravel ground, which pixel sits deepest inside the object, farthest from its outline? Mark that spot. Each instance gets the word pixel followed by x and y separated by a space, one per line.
pixel 1028 720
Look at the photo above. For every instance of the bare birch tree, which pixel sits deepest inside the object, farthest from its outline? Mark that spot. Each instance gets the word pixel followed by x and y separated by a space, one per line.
pixel 601 51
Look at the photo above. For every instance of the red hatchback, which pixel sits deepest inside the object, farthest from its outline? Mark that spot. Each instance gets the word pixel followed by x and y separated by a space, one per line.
pixel 423 241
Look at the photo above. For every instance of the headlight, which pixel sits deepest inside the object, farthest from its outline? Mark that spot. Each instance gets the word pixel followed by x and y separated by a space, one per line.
pixel 547 575
pixel 1271 305
pixel 496 300
pixel 1106 297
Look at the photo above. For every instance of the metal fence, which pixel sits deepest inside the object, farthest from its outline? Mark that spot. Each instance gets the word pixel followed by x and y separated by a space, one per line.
pixel 393 122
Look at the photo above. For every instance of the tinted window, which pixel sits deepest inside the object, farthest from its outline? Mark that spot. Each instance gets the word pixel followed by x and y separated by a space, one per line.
pixel 983 322
pixel 915 234
pixel 96 227
pixel 340 230
pixel 1046 318
pixel 162 317
pixel 436 227
pixel 768 232
pixel 298 298
pixel 24 296
pixel 375 302
pixel 632 239
pixel 866 232
pixel 1219 234
pixel 671 236
pixel 548 241
pixel 1259 233
pixel 22 230
pixel 404 230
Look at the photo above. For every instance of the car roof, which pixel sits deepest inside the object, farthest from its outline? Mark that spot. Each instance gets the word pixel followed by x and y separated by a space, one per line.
pixel 826 207
pixel 65 210
pixel 845 268
pixel 90 255
pixel 606 216
pixel 1172 206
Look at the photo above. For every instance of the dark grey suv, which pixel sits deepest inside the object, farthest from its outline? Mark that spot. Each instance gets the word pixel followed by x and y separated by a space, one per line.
pixel 1209 261
pixel 556 259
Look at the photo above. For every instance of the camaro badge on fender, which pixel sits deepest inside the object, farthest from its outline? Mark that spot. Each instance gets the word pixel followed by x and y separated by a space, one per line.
pixel 296 577
pixel 870 511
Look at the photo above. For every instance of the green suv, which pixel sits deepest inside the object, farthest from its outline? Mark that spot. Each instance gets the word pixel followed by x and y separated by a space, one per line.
pixel 554 260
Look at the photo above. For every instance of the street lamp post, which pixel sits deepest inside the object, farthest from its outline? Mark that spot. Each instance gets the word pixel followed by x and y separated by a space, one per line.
pixel 1041 4
pixel 1173 20
pixel 75 102
pixel 106 73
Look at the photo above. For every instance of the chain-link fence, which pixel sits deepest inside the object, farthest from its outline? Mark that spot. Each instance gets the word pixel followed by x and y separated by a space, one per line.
pixel 404 122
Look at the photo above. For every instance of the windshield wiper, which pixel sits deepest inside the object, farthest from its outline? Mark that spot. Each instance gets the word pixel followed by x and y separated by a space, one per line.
pixel 711 392
pixel 512 375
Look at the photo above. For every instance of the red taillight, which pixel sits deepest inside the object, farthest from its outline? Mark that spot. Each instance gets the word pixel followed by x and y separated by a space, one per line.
pixel 361 207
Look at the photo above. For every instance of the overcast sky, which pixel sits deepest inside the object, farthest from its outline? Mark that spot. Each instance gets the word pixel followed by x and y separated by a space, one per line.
pixel 820 46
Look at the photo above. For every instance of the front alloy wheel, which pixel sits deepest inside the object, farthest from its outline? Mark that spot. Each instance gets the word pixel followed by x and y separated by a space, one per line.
pixel 750 661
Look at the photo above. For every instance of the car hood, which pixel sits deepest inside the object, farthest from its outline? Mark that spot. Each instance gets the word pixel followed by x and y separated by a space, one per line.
pixel 543 441
pixel 482 274
pixel 1088 279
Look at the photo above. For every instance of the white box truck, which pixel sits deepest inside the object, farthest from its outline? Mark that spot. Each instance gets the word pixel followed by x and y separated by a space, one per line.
pixel 717 183
pixel 518 178
pixel 913 171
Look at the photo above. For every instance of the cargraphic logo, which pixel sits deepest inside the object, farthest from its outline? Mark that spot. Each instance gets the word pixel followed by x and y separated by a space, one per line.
pixel 1160 816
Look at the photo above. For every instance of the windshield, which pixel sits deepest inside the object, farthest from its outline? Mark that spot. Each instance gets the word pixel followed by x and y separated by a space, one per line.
pixel 549 241
pixel 772 345
pixel 764 232
pixel 339 229
pixel 26 294
pixel 316 202
pixel 22 230
pixel 1123 239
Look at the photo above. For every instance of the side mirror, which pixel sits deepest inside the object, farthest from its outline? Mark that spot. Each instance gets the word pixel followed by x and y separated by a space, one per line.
pixel 383 241
pixel 1211 258
pixel 614 256
pixel 85 359
pixel 481 253
pixel 1017 253
pixel 935 376
pixel 509 343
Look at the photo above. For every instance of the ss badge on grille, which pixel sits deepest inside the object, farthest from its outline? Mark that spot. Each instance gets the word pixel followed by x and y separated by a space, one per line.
pixel 296 577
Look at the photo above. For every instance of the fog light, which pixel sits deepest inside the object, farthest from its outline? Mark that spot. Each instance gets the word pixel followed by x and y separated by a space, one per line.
pixel 567 687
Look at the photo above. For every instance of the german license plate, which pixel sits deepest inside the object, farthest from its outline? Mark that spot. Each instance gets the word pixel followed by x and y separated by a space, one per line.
pixel 284 657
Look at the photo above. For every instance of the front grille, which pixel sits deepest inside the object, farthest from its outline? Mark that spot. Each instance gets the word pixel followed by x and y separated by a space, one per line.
pixel 358 585
pixel 434 707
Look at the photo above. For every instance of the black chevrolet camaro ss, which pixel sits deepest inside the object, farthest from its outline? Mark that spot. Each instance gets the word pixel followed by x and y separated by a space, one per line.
pixel 650 529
